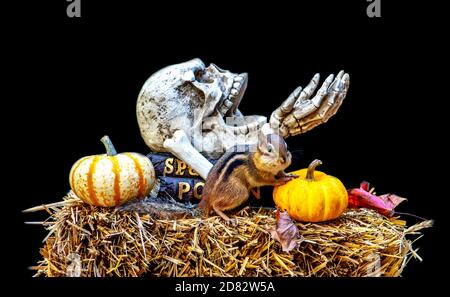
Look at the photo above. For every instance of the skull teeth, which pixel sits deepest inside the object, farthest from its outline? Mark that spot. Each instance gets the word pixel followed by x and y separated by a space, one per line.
pixel 228 103
pixel 233 95
pixel 243 129
pixel 252 126
pixel 236 87
pixel 238 78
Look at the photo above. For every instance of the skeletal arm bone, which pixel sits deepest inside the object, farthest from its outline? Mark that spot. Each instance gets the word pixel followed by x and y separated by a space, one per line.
pixel 299 114
pixel 180 146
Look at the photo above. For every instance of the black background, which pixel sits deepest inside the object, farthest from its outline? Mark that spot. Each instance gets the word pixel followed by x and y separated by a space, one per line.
pixel 75 80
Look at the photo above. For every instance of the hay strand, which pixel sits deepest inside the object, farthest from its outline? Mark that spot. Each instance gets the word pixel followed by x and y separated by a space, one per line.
pixel 86 240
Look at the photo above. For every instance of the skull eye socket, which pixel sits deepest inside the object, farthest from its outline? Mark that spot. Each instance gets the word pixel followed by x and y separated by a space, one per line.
pixel 198 74
pixel 201 75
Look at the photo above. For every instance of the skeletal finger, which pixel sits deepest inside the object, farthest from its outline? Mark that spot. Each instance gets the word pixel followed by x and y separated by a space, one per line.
pixel 295 131
pixel 285 108
pixel 287 105
pixel 319 117
pixel 323 113
pixel 338 85
pixel 311 124
pixel 340 75
pixel 344 84
pixel 290 121
pixel 308 90
pixel 284 131
pixel 304 110
pixel 317 100
pixel 314 119
pixel 330 101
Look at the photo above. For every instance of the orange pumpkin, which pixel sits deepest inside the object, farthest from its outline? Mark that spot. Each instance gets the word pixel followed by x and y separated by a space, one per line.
pixel 312 197
pixel 112 179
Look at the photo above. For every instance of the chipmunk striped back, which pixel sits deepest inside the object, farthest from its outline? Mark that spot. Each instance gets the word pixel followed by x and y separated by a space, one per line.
pixel 235 158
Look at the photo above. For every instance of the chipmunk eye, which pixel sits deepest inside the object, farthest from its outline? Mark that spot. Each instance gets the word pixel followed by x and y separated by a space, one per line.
pixel 270 148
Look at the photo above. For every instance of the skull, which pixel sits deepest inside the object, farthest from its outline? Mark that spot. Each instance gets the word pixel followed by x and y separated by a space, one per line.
pixel 201 101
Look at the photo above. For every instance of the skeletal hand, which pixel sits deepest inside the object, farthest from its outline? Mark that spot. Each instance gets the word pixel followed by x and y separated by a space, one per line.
pixel 300 113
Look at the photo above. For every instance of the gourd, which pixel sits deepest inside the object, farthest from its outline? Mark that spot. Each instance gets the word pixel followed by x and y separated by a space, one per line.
pixel 312 197
pixel 112 179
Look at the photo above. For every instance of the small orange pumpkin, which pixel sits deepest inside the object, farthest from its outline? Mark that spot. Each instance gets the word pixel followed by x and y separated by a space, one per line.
pixel 312 197
pixel 112 179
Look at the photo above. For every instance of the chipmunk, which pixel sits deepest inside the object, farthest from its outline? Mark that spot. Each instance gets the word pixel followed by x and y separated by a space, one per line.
pixel 236 173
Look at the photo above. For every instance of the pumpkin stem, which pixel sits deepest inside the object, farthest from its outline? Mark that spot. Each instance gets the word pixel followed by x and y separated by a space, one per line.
pixel 110 150
pixel 311 168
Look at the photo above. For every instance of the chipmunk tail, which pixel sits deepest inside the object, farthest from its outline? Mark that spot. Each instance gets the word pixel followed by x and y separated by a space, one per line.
pixel 162 208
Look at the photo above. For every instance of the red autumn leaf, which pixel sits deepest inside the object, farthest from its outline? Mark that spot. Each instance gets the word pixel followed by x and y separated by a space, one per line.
pixel 365 186
pixel 384 204
pixel 286 232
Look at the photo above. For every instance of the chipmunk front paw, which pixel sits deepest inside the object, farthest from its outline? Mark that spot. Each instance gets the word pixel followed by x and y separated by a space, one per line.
pixel 283 178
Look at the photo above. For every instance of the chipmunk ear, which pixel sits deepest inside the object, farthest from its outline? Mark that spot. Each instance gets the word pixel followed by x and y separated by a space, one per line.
pixel 262 141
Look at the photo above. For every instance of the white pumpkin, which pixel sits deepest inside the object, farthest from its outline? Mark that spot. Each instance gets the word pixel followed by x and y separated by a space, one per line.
pixel 112 179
